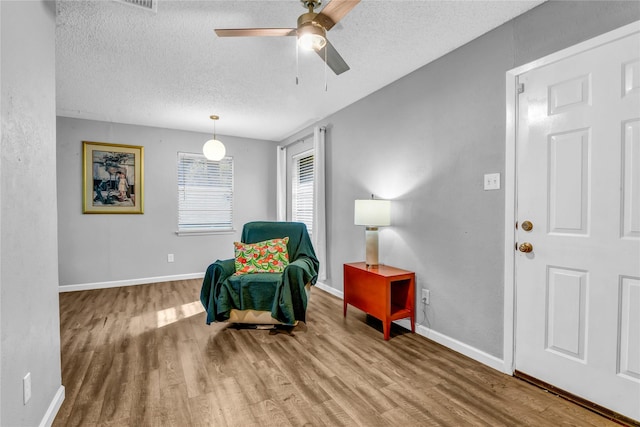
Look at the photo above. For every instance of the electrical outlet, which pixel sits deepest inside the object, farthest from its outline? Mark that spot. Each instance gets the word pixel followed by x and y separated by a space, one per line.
pixel 170 258
pixel 425 296
pixel 26 388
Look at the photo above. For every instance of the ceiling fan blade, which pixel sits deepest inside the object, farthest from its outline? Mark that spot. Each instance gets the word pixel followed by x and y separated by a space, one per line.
pixel 334 60
pixel 255 32
pixel 335 11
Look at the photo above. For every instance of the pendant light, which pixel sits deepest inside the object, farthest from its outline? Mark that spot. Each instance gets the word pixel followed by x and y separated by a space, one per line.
pixel 214 149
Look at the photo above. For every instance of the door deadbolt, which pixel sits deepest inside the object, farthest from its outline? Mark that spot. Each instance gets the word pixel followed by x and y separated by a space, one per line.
pixel 527 226
pixel 525 247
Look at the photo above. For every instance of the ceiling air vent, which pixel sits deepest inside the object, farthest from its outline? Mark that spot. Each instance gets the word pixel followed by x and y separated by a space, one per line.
pixel 151 5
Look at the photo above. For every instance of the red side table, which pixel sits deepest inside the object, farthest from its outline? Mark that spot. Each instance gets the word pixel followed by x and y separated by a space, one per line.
pixel 386 293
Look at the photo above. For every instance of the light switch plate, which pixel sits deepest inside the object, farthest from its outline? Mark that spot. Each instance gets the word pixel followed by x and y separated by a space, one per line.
pixel 492 181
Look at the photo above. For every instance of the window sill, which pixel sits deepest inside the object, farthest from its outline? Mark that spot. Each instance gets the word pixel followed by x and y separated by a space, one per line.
pixel 203 232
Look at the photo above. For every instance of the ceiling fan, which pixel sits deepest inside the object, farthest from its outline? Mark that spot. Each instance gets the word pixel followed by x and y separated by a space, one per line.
pixel 311 31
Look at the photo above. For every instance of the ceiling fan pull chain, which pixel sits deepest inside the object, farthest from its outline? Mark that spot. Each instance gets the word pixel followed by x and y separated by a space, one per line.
pixel 297 67
pixel 325 69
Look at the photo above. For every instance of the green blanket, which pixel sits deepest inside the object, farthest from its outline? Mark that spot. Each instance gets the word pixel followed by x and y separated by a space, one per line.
pixel 283 293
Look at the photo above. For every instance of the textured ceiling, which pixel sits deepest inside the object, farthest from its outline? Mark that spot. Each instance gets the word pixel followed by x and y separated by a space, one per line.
pixel 123 64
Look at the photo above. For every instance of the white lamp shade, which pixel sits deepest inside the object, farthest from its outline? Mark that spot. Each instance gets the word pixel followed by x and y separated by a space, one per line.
pixel 374 213
pixel 214 150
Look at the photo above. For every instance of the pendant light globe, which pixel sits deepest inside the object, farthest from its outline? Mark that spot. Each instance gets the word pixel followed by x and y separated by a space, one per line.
pixel 214 150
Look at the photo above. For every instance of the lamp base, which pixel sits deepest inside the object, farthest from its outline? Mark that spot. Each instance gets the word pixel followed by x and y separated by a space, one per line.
pixel 371 237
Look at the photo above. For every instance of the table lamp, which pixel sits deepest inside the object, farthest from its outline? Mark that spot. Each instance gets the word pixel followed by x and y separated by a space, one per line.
pixel 373 214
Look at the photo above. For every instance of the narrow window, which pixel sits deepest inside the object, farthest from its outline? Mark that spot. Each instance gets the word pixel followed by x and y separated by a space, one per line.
pixel 205 194
pixel 302 190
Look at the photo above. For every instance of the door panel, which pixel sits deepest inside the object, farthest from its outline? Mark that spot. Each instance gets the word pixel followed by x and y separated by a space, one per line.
pixel 631 77
pixel 578 182
pixel 566 319
pixel 568 179
pixel 570 94
pixel 629 328
pixel 631 179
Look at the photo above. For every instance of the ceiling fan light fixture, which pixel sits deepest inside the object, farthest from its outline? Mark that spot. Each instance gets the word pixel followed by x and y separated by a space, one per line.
pixel 311 31
pixel 311 36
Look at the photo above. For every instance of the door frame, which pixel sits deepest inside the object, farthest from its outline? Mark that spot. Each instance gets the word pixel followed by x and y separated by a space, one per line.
pixel 510 176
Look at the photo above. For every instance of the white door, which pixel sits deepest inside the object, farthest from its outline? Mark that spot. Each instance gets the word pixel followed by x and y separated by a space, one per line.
pixel 578 183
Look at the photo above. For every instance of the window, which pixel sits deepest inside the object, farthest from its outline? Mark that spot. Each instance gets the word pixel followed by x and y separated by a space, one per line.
pixel 205 194
pixel 302 190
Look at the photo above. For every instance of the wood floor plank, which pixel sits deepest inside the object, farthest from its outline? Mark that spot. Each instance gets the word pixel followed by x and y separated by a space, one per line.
pixel 75 370
pixel 398 416
pixel 251 382
pixel 333 414
pixel 205 412
pixel 426 411
pixel 302 379
pixel 116 406
pixel 334 350
pixel 174 410
pixel 145 399
pixel 357 408
pixel 170 366
pixel 196 376
pixel 235 406
pixel 147 346
pixel 474 404
pixel 270 413
pixel 298 412
pixel 144 356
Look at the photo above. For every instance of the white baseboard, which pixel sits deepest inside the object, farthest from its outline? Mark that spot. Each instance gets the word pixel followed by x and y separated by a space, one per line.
pixel 460 347
pixel 128 282
pixel 329 290
pixel 53 409
pixel 453 344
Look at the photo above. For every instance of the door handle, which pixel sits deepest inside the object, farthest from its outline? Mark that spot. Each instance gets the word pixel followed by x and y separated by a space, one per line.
pixel 525 247
pixel 527 226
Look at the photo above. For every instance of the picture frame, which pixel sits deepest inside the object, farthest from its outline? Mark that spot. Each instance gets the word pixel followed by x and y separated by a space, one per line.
pixel 113 178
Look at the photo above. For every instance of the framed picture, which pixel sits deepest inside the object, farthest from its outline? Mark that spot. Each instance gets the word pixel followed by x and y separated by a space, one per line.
pixel 113 178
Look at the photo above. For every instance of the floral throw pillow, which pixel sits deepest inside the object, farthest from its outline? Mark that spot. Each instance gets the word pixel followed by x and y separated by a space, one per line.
pixel 269 256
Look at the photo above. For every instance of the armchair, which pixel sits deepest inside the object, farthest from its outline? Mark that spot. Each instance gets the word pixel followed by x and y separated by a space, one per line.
pixel 274 298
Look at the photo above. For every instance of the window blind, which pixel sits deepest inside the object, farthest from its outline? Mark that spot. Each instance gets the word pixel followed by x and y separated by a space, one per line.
pixel 302 190
pixel 205 193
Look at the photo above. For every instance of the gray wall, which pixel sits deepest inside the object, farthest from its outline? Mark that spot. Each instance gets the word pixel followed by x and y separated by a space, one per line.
pixel 29 315
pixel 96 248
pixel 425 142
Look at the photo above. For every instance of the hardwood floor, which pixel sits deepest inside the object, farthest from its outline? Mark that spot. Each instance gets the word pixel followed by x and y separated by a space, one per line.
pixel 143 356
